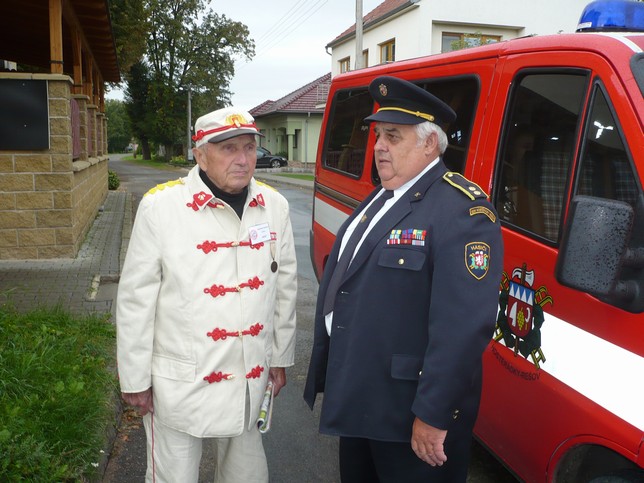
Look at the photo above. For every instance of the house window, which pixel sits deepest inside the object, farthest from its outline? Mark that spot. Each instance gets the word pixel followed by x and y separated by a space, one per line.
pixel 388 51
pixel 365 58
pixel 344 65
pixel 456 41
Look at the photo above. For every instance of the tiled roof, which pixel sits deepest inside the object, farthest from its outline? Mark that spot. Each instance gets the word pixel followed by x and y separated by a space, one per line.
pixel 382 11
pixel 304 99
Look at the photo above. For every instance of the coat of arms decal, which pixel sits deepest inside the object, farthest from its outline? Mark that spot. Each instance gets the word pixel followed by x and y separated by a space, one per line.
pixel 521 314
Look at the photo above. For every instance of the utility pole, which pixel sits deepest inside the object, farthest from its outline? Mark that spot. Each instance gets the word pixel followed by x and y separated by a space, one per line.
pixel 358 62
pixel 189 140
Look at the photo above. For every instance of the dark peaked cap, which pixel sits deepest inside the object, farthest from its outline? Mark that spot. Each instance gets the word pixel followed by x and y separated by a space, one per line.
pixel 402 102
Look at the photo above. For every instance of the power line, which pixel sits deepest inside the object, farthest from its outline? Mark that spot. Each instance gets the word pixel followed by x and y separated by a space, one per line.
pixel 291 26
pixel 278 23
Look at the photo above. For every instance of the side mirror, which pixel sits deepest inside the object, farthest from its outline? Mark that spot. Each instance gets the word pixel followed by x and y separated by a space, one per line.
pixel 595 251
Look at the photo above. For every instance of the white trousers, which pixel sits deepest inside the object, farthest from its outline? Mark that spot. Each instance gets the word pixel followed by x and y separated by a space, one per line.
pixel 176 456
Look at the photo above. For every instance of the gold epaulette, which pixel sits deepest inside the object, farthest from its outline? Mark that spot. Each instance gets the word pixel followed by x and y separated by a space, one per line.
pixel 168 184
pixel 261 183
pixel 464 185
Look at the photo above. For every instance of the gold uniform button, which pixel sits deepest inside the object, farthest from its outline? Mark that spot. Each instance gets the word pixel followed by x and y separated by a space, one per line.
pixel 401 261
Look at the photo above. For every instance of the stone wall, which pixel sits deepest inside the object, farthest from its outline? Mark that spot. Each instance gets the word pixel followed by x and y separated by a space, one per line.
pixel 48 200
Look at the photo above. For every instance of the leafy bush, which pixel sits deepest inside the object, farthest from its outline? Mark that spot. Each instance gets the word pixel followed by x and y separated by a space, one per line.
pixel 113 181
pixel 180 161
pixel 57 393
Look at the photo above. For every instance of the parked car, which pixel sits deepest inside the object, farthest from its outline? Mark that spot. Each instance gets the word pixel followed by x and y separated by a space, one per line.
pixel 265 159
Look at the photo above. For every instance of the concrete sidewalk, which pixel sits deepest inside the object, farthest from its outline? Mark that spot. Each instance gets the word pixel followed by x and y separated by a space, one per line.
pixel 82 284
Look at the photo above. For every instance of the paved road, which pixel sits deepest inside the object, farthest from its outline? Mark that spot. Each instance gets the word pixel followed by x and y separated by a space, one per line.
pixel 296 452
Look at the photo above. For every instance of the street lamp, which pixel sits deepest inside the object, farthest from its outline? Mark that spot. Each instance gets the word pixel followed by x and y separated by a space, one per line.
pixel 189 138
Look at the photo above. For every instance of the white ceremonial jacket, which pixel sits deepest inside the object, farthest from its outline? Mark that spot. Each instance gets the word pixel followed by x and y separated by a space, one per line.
pixel 201 315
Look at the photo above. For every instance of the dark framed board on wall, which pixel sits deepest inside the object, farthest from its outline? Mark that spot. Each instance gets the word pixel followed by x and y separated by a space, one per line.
pixel 24 115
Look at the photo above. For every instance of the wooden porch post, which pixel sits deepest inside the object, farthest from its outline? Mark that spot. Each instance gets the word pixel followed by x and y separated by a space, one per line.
pixel 56 36
pixel 78 61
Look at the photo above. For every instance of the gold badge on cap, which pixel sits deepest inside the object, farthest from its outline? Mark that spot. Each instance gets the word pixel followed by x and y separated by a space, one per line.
pixel 383 89
pixel 236 119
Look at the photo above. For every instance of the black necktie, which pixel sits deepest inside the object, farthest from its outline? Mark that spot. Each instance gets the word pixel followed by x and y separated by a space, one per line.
pixel 350 248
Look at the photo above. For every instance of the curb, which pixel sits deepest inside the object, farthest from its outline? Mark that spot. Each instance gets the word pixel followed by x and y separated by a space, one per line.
pixel 269 178
pixel 128 220
pixel 118 405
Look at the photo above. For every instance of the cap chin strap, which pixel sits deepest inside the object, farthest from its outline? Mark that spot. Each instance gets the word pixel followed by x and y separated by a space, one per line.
pixel 201 133
pixel 427 117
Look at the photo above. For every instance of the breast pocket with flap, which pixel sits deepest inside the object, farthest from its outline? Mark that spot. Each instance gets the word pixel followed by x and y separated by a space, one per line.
pixel 402 258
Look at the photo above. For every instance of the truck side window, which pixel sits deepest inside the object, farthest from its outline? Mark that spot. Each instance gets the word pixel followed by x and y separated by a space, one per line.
pixel 605 170
pixel 347 133
pixel 462 95
pixel 537 150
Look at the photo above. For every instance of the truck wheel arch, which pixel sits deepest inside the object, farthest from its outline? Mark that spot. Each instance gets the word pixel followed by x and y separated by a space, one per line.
pixel 586 460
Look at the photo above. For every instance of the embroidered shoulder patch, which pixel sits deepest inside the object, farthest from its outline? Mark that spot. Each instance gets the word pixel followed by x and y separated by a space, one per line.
pixel 464 185
pixel 477 259
pixel 161 187
pixel 482 210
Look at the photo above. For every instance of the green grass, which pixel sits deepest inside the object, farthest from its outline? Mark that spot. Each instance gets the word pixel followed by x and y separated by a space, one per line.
pixel 150 163
pixel 57 388
pixel 304 176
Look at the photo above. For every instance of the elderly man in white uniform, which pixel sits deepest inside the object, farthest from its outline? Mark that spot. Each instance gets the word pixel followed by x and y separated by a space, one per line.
pixel 206 307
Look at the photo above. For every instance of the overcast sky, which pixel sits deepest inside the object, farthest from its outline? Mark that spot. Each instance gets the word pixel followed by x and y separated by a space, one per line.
pixel 290 36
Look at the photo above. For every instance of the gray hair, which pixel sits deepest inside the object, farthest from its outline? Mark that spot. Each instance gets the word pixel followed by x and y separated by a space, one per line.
pixel 425 129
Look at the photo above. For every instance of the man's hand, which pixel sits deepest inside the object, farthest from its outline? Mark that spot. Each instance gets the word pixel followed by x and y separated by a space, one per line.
pixel 278 376
pixel 141 400
pixel 427 442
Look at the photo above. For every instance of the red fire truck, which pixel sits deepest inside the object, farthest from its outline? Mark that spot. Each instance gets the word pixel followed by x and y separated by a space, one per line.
pixel 552 127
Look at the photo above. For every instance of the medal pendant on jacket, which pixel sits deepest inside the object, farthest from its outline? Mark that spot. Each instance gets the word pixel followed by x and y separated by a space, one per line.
pixel 274 263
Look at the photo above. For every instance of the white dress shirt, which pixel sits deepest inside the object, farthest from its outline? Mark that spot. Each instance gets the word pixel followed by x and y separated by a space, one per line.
pixel 398 192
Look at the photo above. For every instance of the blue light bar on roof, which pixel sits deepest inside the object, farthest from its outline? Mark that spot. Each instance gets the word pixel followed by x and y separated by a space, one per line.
pixel 612 16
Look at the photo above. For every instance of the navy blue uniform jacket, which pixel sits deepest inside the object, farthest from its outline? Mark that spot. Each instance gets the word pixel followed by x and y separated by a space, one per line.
pixel 410 321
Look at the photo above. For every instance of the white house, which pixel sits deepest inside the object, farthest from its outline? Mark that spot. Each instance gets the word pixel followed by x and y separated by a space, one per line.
pixel 291 125
pixel 404 29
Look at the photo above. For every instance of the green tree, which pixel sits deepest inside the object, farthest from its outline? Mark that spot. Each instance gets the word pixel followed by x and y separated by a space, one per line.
pixel 119 133
pixel 138 109
pixel 188 47
pixel 130 29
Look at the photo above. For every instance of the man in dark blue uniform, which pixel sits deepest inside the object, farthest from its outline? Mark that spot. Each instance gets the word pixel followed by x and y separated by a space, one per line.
pixel 399 334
